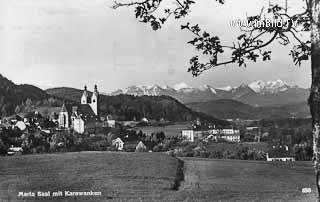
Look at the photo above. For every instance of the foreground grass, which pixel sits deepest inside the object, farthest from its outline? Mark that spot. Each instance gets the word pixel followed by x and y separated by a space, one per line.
pixel 118 176
pixel 150 177
pixel 235 180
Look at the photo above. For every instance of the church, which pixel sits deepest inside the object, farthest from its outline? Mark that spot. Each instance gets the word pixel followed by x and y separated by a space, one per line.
pixel 84 117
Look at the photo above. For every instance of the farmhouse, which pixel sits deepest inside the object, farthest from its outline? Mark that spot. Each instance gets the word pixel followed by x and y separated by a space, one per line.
pixel 280 153
pixel 21 125
pixel 141 147
pixel 118 144
pixel 14 150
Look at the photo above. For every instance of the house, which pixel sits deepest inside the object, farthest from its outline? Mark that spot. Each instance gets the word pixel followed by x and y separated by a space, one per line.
pixel 280 153
pixel 108 122
pixel 207 133
pixel 21 125
pixel 14 150
pixel 118 144
pixel 141 147
pixel 188 135
pixel 231 137
pixel 84 117
pixel 144 120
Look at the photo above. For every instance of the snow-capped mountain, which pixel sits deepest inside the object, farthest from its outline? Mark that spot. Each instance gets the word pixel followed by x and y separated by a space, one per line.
pixel 269 86
pixel 225 88
pixel 152 90
pixel 258 93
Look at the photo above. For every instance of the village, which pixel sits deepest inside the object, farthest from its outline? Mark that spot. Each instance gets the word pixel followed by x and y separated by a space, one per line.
pixel 82 127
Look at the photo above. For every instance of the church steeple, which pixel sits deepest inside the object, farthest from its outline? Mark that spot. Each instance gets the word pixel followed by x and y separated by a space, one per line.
pixel 84 98
pixel 94 100
pixel 96 90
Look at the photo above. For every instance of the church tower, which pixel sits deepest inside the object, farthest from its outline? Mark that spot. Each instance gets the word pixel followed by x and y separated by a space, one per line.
pixel 84 98
pixel 94 100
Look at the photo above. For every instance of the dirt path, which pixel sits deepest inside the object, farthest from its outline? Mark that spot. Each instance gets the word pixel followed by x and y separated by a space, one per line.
pixel 191 176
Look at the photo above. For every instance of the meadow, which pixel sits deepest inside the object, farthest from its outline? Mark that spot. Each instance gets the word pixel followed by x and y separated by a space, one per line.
pixel 247 181
pixel 152 177
pixel 118 176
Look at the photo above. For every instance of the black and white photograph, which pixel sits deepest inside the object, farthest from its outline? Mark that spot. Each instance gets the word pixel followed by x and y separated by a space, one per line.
pixel 159 101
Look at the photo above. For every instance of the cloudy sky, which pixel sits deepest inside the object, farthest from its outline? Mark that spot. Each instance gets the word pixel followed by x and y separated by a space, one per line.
pixel 75 42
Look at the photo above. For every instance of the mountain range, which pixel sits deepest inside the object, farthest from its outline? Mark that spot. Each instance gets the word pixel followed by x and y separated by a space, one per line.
pixel 256 100
pixel 258 93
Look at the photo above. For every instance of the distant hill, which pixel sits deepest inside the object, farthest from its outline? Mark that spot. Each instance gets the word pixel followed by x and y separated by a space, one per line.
pixel 128 107
pixel 66 93
pixel 231 109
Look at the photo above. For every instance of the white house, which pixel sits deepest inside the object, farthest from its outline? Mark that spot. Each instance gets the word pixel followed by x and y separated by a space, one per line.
pixel 14 150
pixel 280 153
pixel 141 147
pixel 188 135
pixel 118 143
pixel 231 137
pixel 21 125
pixel 280 158
pixel 192 135
pixel 229 131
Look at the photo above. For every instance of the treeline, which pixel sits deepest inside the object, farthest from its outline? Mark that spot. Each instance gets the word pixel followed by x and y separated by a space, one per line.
pixel 200 150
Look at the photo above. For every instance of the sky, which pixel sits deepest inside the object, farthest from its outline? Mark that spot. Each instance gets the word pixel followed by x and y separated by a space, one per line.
pixel 79 42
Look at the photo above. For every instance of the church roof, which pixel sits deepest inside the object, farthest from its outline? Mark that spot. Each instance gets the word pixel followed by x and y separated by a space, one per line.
pixel 85 110
pixel 86 113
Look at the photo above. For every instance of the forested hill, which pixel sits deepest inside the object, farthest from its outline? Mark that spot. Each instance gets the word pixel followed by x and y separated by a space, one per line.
pixel 18 98
pixel 128 107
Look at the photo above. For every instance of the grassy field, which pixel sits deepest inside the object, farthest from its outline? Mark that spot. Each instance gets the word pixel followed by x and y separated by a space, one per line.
pixel 118 176
pixel 150 177
pixel 236 180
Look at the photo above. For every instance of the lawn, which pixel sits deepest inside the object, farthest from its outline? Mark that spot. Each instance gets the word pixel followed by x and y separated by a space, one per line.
pixel 236 180
pixel 118 176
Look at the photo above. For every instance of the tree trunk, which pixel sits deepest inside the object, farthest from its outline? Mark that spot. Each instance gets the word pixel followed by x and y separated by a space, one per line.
pixel 314 99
